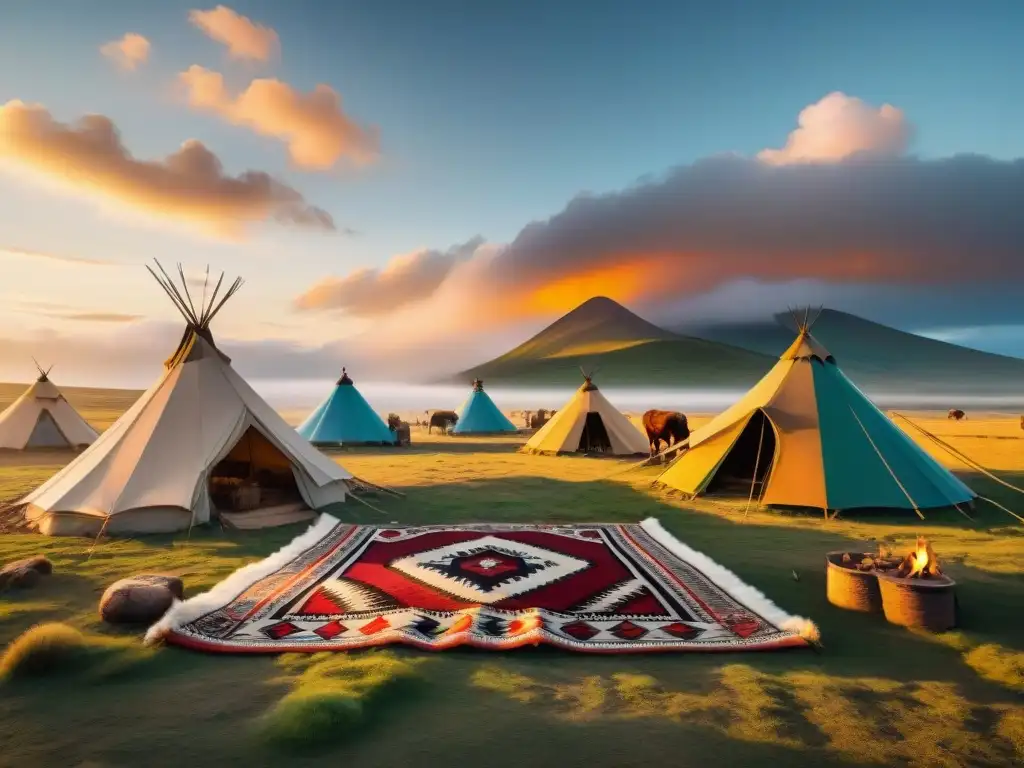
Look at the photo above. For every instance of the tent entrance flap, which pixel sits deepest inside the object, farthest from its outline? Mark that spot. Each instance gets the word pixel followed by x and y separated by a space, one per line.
pixel 749 462
pixel 254 474
pixel 594 436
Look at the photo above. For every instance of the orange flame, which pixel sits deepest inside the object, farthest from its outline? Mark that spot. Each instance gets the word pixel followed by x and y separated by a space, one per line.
pixel 923 561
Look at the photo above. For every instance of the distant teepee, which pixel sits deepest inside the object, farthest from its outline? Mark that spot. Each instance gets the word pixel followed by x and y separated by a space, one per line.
pixel 480 416
pixel 345 418
pixel 192 443
pixel 805 435
pixel 588 423
pixel 42 418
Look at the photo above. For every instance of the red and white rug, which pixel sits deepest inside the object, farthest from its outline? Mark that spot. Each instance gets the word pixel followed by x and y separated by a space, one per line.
pixel 601 588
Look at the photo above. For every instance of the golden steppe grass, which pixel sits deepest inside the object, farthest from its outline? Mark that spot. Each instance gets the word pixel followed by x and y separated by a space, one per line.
pixel 875 695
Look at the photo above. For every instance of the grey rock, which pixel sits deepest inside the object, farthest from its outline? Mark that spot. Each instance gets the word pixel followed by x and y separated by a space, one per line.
pixel 140 599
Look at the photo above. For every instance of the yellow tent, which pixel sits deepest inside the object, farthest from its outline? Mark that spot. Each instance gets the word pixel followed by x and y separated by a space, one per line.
pixel 589 424
pixel 806 436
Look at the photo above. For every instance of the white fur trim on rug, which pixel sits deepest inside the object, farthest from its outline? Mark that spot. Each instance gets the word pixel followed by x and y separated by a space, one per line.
pixel 732 584
pixel 181 613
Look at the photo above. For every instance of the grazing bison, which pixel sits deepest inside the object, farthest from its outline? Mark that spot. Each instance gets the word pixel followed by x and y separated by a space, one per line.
pixel 956 414
pixel 443 420
pixel 668 426
pixel 400 428
pixel 1022 422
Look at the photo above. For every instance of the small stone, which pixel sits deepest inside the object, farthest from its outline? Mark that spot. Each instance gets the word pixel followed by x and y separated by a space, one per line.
pixel 24 578
pixel 172 583
pixel 140 599
pixel 16 574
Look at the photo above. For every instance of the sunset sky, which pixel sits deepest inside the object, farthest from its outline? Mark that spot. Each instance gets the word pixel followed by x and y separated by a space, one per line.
pixel 442 179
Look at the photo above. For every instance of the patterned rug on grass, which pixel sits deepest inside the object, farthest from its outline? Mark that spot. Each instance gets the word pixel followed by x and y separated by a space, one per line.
pixel 601 588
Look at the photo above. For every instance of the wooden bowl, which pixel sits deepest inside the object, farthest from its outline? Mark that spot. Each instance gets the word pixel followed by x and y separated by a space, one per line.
pixel 849 588
pixel 925 603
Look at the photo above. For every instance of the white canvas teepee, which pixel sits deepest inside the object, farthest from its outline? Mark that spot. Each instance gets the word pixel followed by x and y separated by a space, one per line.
pixel 154 470
pixel 42 418
pixel 588 423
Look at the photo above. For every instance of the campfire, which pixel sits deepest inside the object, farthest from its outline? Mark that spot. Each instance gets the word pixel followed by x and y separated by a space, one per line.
pixel 919 563
pixel 911 590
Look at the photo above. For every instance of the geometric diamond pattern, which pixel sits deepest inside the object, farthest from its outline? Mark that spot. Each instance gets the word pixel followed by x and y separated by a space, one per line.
pixel 425 625
pixel 681 630
pixel 488 569
pixel 580 629
pixel 377 625
pixel 613 588
pixel 281 629
pixel 627 630
pixel 742 625
pixel 330 630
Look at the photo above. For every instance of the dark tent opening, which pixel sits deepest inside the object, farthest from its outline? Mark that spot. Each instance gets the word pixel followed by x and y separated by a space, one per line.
pixel 752 452
pixel 254 475
pixel 594 436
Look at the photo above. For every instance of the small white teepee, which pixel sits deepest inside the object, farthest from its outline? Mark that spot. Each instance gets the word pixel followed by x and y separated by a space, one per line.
pixel 200 431
pixel 589 424
pixel 42 418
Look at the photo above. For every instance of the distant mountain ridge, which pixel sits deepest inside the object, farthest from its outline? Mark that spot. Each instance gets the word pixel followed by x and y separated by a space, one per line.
pixel 597 325
pixel 629 351
pixel 878 355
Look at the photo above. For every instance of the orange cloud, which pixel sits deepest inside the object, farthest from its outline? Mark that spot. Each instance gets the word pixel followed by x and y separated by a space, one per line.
pixel 623 282
pixel 244 38
pixel 190 185
pixel 857 226
pixel 839 126
pixel 313 125
pixel 128 52
pixel 404 280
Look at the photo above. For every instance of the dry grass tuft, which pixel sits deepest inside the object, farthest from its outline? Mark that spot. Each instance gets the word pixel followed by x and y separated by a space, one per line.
pixel 334 694
pixel 57 650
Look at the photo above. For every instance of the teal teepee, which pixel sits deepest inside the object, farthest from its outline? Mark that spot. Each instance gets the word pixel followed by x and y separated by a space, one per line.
pixel 345 418
pixel 480 416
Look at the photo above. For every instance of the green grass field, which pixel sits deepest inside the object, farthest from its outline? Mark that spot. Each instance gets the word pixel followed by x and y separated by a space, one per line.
pixel 875 695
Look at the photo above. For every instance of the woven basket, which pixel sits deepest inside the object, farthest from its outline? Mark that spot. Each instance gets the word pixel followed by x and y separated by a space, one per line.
pixel 929 605
pixel 849 588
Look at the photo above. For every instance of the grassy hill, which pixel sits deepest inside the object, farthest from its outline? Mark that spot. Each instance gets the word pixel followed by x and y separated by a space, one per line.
pixel 882 357
pixel 625 349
